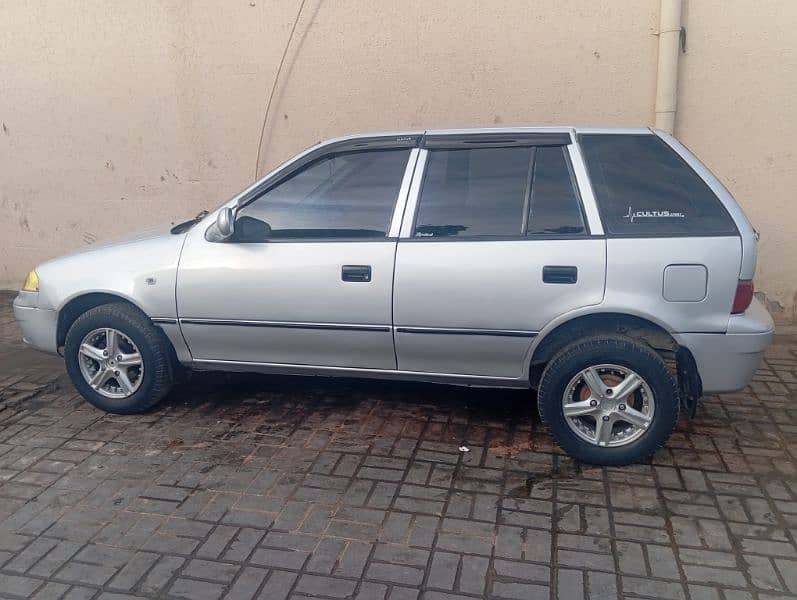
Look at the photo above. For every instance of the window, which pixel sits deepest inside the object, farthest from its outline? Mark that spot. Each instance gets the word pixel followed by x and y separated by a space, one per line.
pixel 473 193
pixel 350 195
pixel 554 206
pixel 644 188
pixel 497 192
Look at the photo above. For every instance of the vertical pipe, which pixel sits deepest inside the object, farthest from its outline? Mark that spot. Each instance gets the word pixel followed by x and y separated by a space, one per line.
pixel 667 76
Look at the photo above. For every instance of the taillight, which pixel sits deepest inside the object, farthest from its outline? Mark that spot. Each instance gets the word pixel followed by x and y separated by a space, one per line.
pixel 743 297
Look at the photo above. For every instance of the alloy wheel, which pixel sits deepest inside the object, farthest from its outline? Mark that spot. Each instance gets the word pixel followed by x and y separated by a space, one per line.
pixel 608 405
pixel 111 363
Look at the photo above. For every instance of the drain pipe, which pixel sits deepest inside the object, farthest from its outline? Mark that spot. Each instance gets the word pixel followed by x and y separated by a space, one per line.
pixel 667 78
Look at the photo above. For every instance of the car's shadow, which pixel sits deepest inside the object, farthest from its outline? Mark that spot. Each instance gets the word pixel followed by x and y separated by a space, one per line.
pixel 500 422
pixel 498 407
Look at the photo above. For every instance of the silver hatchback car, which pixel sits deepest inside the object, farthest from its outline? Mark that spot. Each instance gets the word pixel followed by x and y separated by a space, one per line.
pixel 607 268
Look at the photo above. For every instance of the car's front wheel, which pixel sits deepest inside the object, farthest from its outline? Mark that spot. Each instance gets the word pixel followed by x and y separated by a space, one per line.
pixel 117 359
pixel 608 400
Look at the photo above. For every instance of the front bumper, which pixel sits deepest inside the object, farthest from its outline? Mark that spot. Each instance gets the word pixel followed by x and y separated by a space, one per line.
pixel 39 325
pixel 727 361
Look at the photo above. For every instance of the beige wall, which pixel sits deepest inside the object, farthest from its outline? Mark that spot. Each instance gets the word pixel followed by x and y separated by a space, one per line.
pixel 124 115
pixel 737 111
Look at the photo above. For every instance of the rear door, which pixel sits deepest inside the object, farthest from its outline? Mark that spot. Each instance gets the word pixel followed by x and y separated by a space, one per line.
pixel 494 244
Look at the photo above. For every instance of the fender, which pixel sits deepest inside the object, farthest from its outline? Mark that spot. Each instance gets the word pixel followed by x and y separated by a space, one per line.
pixel 583 312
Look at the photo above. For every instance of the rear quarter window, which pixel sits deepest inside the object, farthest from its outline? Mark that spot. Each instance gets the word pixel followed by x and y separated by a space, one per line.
pixel 643 187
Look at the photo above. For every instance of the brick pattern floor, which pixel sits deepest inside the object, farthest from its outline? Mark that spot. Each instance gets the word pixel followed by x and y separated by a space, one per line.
pixel 253 487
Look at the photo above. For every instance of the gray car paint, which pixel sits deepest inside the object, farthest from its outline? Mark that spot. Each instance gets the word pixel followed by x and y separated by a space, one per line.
pixel 289 303
pixel 438 284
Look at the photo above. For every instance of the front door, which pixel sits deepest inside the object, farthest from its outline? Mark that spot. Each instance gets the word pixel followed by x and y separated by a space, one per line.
pixel 498 247
pixel 307 277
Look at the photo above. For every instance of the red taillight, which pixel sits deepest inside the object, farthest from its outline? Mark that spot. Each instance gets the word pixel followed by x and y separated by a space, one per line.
pixel 743 297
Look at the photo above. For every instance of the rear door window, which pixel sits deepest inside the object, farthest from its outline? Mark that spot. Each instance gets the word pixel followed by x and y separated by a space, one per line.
pixel 469 193
pixel 498 192
pixel 643 187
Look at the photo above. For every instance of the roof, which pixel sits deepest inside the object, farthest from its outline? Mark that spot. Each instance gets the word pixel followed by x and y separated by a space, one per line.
pixel 414 133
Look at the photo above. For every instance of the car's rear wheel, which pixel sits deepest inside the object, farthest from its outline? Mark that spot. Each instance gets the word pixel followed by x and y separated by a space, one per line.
pixel 608 400
pixel 117 359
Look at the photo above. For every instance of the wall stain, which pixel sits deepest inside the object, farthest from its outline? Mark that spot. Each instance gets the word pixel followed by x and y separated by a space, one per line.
pixel 5 129
pixel 794 308
pixel 775 308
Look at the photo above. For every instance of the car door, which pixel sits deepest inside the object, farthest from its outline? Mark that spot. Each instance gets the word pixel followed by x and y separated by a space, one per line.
pixel 307 277
pixel 494 245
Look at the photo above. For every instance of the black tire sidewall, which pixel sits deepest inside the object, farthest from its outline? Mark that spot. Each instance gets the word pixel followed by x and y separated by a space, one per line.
pixel 111 317
pixel 610 350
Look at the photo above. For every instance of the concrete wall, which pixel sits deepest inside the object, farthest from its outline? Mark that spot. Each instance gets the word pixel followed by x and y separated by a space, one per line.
pixel 121 116
pixel 736 110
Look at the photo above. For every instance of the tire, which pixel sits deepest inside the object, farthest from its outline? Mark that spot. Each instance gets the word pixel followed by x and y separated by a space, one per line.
pixel 611 358
pixel 133 332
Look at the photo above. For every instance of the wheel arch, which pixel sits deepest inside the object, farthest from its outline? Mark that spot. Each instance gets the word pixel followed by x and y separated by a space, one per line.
pixel 79 304
pixel 634 326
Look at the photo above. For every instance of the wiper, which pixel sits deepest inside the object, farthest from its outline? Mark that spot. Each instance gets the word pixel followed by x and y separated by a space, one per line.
pixel 186 225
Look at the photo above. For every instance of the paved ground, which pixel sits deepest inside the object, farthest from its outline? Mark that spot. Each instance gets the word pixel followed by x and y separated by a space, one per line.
pixel 289 487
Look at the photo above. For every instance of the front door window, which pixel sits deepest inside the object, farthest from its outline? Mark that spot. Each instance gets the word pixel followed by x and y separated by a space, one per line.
pixel 340 196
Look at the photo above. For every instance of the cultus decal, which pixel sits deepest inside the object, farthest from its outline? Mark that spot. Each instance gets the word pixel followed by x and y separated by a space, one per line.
pixel 652 214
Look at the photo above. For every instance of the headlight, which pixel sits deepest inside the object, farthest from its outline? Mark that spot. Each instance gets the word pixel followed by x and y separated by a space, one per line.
pixel 31 282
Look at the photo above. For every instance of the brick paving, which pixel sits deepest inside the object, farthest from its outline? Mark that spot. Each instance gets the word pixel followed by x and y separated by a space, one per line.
pixel 265 487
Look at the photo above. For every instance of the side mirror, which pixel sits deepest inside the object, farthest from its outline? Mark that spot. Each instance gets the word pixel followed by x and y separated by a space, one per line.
pixel 225 222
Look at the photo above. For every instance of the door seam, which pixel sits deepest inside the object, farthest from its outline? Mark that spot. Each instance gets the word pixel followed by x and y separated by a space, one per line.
pixel 395 260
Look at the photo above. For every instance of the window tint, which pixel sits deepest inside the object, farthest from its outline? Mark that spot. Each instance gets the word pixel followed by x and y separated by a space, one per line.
pixel 478 192
pixel 344 195
pixel 554 207
pixel 483 192
pixel 643 187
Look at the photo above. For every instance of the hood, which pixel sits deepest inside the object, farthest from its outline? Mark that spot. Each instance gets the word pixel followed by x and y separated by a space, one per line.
pixel 140 236
pixel 140 268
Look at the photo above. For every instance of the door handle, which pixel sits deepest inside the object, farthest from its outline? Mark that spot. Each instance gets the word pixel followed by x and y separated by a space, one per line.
pixel 355 273
pixel 557 274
